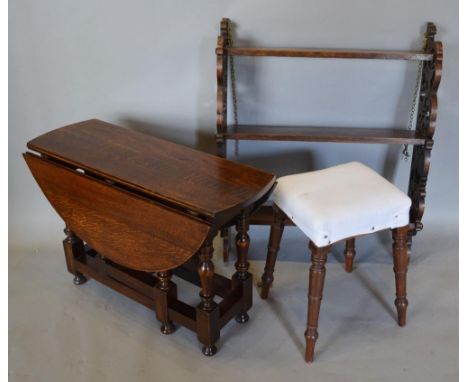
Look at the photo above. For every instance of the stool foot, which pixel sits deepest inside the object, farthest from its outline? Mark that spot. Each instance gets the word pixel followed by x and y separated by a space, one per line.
pixel 311 337
pixel 209 350
pixel 242 318
pixel 401 306
pixel 79 279
pixel 168 328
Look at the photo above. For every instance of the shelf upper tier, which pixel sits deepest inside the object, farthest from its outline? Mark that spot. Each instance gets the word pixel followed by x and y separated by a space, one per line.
pixel 328 53
pixel 323 134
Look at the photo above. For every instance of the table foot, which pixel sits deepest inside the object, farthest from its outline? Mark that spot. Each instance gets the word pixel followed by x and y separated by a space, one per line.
pixel 79 279
pixel 209 350
pixel 168 328
pixel 242 317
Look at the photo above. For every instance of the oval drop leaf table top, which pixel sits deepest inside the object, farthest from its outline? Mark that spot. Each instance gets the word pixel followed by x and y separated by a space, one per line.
pixel 126 228
pixel 174 174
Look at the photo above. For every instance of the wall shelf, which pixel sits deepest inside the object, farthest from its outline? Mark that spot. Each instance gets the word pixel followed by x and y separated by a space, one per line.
pixel 327 53
pixel 323 134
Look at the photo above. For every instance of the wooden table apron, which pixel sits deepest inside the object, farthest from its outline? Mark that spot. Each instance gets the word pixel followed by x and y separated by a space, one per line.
pixel 139 209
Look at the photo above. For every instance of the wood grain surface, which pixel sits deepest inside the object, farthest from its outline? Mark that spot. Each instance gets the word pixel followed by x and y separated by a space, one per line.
pixel 324 134
pixel 125 228
pixel 201 182
pixel 326 53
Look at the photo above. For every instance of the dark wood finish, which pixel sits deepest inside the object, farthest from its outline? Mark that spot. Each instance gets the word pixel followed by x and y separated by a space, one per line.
pixel 175 175
pixel 242 265
pixel 143 288
pixel 316 283
pixel 276 233
pixel 220 285
pixel 400 261
pixel 221 93
pixel 324 134
pixel 349 253
pixel 206 273
pixel 326 53
pixel 164 291
pixel 317 270
pixel 96 267
pixel 425 127
pixel 231 305
pixel 125 227
pixel 73 248
pixel 208 313
pixel 221 112
pixel 242 247
pixel 146 208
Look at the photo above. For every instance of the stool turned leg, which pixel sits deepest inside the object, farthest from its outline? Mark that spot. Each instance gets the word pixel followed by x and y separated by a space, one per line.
pixel 226 243
pixel 276 233
pixel 208 327
pixel 400 267
pixel 350 252
pixel 73 247
pixel 165 289
pixel 316 282
pixel 242 265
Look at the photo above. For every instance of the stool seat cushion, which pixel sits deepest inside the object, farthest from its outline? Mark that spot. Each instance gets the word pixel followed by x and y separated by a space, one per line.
pixel 341 202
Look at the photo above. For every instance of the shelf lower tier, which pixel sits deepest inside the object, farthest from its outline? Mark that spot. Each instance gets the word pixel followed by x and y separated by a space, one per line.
pixel 323 134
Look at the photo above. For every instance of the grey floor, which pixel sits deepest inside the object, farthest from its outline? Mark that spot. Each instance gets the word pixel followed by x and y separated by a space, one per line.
pixel 61 332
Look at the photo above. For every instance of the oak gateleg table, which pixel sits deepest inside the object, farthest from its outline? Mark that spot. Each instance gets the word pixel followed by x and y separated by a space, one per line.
pixel 139 209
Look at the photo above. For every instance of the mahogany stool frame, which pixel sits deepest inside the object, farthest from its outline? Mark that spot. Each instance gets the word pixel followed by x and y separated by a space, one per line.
pixel 317 274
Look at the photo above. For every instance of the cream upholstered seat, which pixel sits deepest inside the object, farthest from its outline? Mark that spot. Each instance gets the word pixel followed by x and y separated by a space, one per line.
pixel 330 205
pixel 341 202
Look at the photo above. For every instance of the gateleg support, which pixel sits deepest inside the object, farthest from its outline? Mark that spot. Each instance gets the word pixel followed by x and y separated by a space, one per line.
pixel 164 291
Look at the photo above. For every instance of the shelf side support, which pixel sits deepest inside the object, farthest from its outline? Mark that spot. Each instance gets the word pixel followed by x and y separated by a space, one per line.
pixel 221 92
pixel 221 108
pixel 425 127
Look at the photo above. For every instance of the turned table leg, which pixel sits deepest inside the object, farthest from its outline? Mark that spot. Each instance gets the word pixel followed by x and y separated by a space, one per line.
pixel 208 325
pixel 242 265
pixel 73 247
pixel 350 252
pixel 316 282
pixel 276 233
pixel 400 267
pixel 163 292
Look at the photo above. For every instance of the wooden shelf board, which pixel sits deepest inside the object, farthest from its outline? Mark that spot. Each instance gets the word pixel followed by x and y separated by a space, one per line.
pixel 323 134
pixel 328 53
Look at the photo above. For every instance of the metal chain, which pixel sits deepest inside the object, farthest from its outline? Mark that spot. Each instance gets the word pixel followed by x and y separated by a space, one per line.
pixel 414 103
pixel 230 44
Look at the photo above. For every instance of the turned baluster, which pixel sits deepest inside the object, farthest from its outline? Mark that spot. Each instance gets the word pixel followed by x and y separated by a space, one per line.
pixel 316 283
pixel 206 273
pixel 165 290
pixel 242 265
pixel 400 261
pixel 208 325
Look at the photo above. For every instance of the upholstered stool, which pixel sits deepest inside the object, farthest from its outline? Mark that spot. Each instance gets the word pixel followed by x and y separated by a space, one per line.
pixel 339 203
